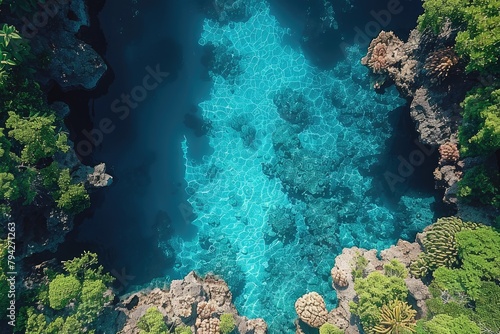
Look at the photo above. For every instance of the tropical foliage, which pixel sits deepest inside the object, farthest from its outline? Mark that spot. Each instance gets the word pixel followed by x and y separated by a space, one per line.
pixel 152 322
pixel 75 299
pixel 375 291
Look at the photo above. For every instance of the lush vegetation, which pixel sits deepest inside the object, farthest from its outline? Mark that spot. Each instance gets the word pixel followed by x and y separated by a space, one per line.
pixel 227 324
pixel 152 322
pixel 468 294
pixel 328 328
pixel 477 42
pixel 480 130
pixel 375 291
pixel 479 22
pixel 74 299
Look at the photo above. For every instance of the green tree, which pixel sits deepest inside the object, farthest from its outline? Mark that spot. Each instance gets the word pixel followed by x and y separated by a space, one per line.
pixel 395 268
pixel 152 322
pixel 480 185
pixel 72 198
pixel 13 50
pixel 92 300
pixel 183 330
pixel 35 323
pixel 37 136
pixel 62 290
pixel 479 133
pixel 479 251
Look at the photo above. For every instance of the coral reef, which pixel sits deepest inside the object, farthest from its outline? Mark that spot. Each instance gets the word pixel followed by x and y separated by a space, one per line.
pixel 384 52
pixel 435 109
pixel 225 11
pixel 339 277
pixel 396 317
pixel 440 63
pixel 293 107
pixel 311 309
pixel 449 171
pixel 283 224
pixel 448 152
pixel 222 60
pixel 439 245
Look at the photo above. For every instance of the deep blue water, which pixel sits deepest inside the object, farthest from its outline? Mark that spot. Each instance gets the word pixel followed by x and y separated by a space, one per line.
pixel 263 191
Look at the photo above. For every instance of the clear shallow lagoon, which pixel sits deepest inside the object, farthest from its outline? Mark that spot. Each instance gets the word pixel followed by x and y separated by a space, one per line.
pixel 235 190
pixel 275 203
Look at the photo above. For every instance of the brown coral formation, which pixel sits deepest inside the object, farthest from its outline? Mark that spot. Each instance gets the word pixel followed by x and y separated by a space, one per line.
pixel 208 326
pixel 311 309
pixel 448 153
pixel 383 54
pixel 440 63
pixel 449 170
pixel 339 277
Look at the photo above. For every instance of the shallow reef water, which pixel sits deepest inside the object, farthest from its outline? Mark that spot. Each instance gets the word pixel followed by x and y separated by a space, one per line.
pixel 289 182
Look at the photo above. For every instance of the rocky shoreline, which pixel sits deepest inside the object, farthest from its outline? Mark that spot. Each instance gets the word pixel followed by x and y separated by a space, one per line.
pixel 199 302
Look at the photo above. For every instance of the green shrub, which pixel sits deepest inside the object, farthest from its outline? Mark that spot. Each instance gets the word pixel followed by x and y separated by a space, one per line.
pixel 479 251
pixel 479 22
pixel 479 133
pixel 359 266
pixel 373 292
pixel 227 324
pixel 480 186
pixel 92 300
pixel 72 198
pixel 445 324
pixel 62 290
pixel 152 322
pixel 395 268
pixel 328 328
pixel 84 283
pixel 487 307
pixel 37 137
pixel 183 330
pixel 440 246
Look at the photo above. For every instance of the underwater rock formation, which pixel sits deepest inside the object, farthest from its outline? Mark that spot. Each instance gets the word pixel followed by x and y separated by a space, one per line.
pixel 434 83
pixel 293 107
pixel 428 73
pixel 193 301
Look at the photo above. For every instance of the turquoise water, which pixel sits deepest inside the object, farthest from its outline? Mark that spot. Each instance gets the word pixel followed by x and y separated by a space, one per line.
pixel 287 188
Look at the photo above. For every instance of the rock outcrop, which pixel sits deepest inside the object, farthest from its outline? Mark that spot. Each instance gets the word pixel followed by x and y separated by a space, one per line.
pixel 99 178
pixel 194 301
pixel 72 63
pixel 430 76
